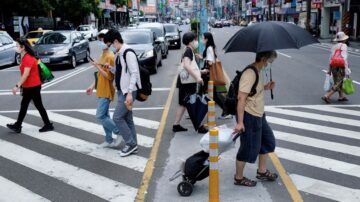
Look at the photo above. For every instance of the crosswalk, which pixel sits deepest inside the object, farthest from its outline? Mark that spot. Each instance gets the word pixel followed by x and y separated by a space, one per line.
pixel 319 147
pixel 72 158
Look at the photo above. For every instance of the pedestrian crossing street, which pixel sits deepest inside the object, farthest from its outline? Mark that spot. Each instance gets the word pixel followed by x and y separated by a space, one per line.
pixel 319 147
pixel 71 158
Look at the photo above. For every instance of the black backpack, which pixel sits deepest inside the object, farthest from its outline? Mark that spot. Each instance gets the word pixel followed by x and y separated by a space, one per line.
pixel 146 86
pixel 231 97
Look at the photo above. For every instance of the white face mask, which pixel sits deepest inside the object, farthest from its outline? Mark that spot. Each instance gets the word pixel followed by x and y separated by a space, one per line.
pixel 195 44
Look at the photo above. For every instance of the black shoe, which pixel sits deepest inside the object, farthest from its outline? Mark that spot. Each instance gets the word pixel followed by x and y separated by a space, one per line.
pixel 14 127
pixel 202 130
pixel 178 128
pixel 46 128
pixel 127 150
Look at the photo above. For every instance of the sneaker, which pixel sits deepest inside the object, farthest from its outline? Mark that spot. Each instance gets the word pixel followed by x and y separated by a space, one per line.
pixel 223 117
pixel 178 128
pixel 117 141
pixel 46 128
pixel 108 145
pixel 14 127
pixel 127 150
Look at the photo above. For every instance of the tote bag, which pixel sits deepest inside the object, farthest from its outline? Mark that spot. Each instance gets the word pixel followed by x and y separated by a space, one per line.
pixel 217 73
pixel 185 76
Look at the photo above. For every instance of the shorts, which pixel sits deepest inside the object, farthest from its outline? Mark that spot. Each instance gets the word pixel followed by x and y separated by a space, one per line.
pixel 258 138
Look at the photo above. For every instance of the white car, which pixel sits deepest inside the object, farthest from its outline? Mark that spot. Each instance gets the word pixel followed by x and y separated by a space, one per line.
pixel 89 32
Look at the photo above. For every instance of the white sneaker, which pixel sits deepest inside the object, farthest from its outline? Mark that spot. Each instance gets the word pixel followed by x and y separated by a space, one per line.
pixel 229 116
pixel 107 145
pixel 118 140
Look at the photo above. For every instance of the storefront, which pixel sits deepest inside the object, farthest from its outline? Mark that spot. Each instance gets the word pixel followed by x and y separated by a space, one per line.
pixel 331 18
pixel 355 19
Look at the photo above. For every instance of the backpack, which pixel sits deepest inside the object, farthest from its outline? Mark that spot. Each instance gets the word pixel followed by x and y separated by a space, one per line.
pixel 146 86
pixel 194 167
pixel 231 97
pixel 337 60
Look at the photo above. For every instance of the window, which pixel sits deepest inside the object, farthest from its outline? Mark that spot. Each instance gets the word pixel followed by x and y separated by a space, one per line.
pixel 5 40
pixel 55 38
pixel 136 37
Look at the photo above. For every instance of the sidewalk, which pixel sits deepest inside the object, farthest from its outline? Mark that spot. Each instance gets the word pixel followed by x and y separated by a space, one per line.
pixel 354 45
pixel 185 144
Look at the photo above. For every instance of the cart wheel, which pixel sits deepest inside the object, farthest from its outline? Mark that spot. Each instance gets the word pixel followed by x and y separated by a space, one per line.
pixel 185 188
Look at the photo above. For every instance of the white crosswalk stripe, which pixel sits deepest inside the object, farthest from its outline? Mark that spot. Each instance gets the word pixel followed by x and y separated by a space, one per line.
pixel 316 141
pixel 74 175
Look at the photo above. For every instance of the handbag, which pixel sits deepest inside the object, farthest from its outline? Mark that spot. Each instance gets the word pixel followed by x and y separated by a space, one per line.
pixel 329 82
pixel 44 72
pixel 217 73
pixel 185 76
pixel 337 60
pixel 347 86
pixel 96 79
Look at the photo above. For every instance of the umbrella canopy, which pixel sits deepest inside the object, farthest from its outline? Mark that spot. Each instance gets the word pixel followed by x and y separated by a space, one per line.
pixel 268 36
pixel 197 108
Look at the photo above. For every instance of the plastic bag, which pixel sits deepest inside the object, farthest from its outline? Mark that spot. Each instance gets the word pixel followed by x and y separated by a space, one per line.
pixel 225 139
pixel 329 82
pixel 348 87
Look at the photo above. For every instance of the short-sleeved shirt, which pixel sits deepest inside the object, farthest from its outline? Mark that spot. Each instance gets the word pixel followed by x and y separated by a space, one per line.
pixel 188 53
pixel 33 79
pixel 210 54
pixel 254 105
pixel 105 87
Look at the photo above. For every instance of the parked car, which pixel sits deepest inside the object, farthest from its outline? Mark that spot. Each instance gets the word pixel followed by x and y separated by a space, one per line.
pixel 146 46
pixel 173 35
pixel 159 29
pixel 8 54
pixel 34 36
pixel 225 23
pixel 218 24
pixel 90 32
pixel 62 47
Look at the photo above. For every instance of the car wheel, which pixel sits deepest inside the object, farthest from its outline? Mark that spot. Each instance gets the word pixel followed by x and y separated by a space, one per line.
pixel 17 59
pixel 73 61
pixel 87 57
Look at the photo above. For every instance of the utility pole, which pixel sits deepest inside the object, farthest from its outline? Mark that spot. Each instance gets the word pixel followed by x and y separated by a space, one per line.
pixel 308 15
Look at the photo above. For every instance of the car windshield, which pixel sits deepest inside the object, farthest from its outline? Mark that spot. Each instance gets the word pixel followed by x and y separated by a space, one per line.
pixel 83 28
pixel 170 28
pixel 136 37
pixel 32 35
pixel 159 32
pixel 55 38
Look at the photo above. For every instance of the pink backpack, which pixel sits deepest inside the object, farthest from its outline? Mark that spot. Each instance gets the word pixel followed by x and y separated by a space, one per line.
pixel 337 60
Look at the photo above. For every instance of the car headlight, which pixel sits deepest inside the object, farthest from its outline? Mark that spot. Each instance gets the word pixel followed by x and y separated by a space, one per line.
pixel 148 54
pixel 176 37
pixel 62 52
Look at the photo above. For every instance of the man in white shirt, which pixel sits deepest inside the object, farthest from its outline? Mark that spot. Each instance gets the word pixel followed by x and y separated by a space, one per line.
pixel 127 79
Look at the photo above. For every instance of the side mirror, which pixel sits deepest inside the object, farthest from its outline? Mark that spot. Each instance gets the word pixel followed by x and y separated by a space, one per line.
pixel 157 41
pixel 76 41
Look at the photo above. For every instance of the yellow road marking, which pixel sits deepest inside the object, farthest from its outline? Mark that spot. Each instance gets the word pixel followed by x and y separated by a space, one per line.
pixel 149 169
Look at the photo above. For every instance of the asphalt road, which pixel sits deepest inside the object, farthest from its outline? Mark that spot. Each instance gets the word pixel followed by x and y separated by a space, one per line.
pixel 318 144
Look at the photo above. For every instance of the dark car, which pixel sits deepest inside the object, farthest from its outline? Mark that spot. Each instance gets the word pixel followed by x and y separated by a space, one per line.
pixel 173 35
pixel 8 53
pixel 159 29
pixel 62 47
pixel 146 46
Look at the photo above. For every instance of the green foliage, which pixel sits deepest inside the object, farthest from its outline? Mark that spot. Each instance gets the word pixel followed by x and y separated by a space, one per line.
pixel 141 13
pixel 25 8
pixel 119 3
pixel 195 25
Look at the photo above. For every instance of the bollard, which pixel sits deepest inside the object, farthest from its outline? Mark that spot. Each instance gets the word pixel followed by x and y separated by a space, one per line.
pixel 214 194
pixel 211 90
pixel 211 114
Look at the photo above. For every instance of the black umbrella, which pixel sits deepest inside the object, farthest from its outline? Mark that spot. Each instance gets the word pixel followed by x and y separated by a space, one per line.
pixel 197 108
pixel 268 36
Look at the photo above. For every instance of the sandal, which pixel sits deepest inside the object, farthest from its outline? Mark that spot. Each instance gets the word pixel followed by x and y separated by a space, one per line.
pixel 244 182
pixel 267 176
pixel 344 99
pixel 326 99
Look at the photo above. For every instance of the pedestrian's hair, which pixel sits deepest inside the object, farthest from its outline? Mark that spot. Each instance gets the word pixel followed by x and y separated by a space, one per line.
pixel 210 42
pixel 188 38
pixel 265 55
pixel 101 35
pixel 113 35
pixel 24 43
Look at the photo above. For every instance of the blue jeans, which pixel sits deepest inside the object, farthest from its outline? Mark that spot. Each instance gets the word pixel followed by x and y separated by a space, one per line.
pixel 123 119
pixel 103 117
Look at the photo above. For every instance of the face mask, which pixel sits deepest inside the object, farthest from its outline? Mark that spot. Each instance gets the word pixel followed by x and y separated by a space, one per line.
pixel 102 45
pixel 112 49
pixel 195 44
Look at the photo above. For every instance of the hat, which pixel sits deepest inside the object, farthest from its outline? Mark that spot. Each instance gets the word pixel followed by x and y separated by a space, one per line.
pixel 341 36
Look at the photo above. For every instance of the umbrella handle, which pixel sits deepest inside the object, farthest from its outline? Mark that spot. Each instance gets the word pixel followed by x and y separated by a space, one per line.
pixel 271 91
